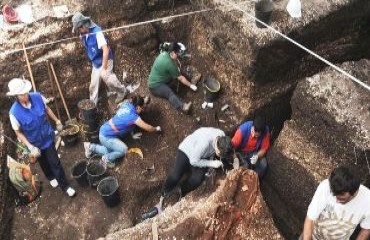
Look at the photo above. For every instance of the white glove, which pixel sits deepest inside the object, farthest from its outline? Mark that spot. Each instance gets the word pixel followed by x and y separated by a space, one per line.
pixel 254 159
pixel 59 126
pixel 193 87
pixel 34 151
pixel 236 163
pixel 136 135
pixel 158 128
pixel 215 164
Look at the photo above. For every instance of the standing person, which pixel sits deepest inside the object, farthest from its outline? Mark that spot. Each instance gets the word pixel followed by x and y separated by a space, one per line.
pixel 196 154
pixel 124 122
pixel 252 141
pixel 164 71
pixel 340 204
pixel 101 56
pixel 29 119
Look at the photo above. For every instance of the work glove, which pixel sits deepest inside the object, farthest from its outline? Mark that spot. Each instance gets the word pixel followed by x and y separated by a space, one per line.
pixel 254 159
pixel 193 87
pixel 236 163
pixel 59 126
pixel 34 151
pixel 215 164
pixel 137 135
pixel 158 128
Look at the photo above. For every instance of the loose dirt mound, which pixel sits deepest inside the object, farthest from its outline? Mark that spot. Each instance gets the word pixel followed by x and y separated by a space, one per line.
pixel 234 211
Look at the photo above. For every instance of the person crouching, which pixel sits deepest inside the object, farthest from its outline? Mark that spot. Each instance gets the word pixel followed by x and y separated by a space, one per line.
pixel 122 123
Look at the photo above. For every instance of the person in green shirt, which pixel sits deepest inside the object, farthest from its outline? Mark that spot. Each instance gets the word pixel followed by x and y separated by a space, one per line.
pixel 165 70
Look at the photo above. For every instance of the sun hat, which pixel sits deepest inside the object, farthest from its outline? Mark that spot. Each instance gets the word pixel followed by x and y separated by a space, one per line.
pixel 18 86
pixel 79 20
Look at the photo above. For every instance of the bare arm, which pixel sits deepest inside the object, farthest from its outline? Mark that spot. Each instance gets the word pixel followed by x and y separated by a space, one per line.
pixel 23 138
pixel 51 114
pixel 307 229
pixel 184 81
pixel 261 153
pixel 143 125
pixel 364 234
pixel 105 49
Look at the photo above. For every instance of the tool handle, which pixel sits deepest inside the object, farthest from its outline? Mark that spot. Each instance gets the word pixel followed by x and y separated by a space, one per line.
pixel 53 88
pixel 60 92
pixel 29 68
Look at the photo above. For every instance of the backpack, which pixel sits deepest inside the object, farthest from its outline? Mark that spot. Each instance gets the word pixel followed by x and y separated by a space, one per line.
pixel 27 184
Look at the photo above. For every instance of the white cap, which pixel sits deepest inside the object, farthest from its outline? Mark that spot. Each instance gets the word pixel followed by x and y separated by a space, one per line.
pixel 18 86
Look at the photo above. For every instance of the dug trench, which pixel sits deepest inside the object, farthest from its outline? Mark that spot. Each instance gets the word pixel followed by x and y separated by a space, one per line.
pixel 256 78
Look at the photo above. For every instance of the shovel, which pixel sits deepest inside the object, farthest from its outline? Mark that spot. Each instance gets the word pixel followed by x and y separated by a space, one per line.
pixel 29 68
pixel 70 120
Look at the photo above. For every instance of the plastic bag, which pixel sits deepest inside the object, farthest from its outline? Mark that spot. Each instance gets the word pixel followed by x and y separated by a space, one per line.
pixel 294 8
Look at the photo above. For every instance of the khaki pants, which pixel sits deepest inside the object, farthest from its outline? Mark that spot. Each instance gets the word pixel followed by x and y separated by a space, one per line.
pixel 112 82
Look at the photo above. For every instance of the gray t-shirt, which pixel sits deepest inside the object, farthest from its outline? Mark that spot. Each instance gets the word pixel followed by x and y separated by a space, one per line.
pixel 199 146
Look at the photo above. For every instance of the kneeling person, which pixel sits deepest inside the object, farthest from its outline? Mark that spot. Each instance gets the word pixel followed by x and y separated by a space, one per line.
pixel 165 70
pixel 124 122
pixel 196 154
pixel 252 141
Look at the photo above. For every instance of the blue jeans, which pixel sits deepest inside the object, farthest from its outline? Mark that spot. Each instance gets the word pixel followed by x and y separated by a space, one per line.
pixel 112 147
pixel 260 167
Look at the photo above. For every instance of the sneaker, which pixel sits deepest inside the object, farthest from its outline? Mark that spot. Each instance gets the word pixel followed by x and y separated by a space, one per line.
pixel 147 100
pixel 87 150
pixel 132 87
pixel 54 183
pixel 71 192
pixel 107 163
pixel 186 107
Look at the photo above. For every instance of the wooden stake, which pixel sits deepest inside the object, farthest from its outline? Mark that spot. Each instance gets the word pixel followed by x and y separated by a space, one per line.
pixel 60 92
pixel 29 68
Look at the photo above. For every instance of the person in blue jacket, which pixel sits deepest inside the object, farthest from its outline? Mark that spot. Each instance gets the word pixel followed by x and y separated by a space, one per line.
pixel 122 123
pixel 100 55
pixel 29 118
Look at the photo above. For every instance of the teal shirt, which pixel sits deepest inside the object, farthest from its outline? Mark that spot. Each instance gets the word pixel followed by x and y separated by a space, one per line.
pixel 164 70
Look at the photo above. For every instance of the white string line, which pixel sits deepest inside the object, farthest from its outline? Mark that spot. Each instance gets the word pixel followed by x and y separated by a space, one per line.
pixel 302 47
pixel 7 52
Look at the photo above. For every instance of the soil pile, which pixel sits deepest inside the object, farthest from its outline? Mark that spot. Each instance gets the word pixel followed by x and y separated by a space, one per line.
pixel 235 210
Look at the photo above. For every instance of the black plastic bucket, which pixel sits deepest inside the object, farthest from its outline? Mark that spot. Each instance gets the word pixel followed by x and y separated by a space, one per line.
pixel 88 113
pixel 78 172
pixel 211 89
pixel 70 134
pixel 108 190
pixel 263 11
pixel 95 172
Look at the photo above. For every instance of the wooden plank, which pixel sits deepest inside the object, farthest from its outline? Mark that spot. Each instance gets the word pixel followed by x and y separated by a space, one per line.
pixel 155 230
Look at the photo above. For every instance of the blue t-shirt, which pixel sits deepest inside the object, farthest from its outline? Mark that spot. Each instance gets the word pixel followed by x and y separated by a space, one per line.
pixel 124 121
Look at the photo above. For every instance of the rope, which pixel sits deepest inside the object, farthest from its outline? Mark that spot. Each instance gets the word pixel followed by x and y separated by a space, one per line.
pixel 367 87
pixel 8 52
pixel 364 85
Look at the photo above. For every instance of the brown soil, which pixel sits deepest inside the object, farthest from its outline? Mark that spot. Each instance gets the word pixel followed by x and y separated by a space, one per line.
pixel 258 74
pixel 70 130
pixel 86 104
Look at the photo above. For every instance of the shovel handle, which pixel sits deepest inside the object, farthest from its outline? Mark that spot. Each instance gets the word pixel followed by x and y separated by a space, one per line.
pixel 29 68
pixel 60 92
pixel 53 88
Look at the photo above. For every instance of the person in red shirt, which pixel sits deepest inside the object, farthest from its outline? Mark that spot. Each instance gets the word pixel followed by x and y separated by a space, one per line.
pixel 251 142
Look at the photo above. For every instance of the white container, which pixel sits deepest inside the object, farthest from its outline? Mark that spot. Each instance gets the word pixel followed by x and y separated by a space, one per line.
pixel 294 8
